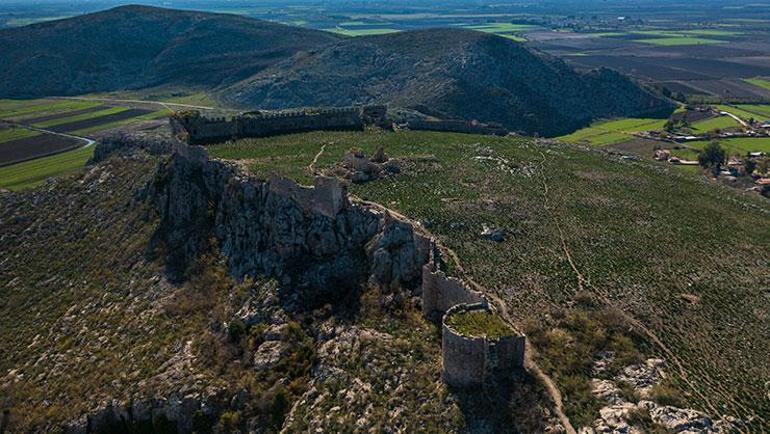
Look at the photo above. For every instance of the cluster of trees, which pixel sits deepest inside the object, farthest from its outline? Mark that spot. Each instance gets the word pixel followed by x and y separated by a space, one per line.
pixel 712 157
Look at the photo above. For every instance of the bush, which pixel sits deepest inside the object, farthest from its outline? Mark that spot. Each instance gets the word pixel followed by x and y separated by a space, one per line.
pixel 236 329
pixel 230 421
pixel 666 394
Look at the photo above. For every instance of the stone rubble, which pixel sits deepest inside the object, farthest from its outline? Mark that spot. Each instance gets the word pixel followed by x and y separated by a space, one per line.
pixel 618 415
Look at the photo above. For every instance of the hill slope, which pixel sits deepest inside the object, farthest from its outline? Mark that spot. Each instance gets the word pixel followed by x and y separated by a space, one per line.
pixel 450 73
pixel 139 46
pixel 599 254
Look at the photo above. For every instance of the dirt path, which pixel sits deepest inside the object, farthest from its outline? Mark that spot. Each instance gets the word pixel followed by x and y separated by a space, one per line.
pixel 529 362
pixel 311 166
pixel 638 325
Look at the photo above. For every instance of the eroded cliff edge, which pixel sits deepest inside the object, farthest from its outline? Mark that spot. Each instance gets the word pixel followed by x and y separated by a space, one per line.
pixel 314 240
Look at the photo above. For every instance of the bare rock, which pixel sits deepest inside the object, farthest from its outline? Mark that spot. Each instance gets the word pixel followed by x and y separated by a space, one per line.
pixel 606 390
pixel 643 375
pixel 268 354
pixel 379 156
pixel 494 234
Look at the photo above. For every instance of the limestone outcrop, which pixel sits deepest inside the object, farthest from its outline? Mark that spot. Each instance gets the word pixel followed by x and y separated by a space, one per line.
pixel 620 416
pixel 312 239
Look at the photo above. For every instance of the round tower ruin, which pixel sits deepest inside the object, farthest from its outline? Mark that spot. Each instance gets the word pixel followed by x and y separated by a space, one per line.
pixel 479 347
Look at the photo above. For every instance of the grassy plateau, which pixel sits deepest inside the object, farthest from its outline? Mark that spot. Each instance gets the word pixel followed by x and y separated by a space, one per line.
pixel 676 260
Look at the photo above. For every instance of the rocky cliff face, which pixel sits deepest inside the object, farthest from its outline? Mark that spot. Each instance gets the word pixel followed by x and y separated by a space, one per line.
pixel 311 239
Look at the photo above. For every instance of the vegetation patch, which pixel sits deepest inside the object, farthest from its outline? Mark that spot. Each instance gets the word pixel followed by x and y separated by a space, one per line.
pixel 761 82
pixel 679 41
pixel 716 123
pixel 479 322
pixel 15 133
pixel 640 233
pixel 610 132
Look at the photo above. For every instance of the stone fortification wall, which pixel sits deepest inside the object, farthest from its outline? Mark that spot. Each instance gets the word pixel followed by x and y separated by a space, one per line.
pixel 195 128
pixel 440 292
pixel 473 361
pixel 457 126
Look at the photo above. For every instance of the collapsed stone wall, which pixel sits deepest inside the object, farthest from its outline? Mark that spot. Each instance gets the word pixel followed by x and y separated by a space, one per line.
pixel 440 292
pixel 472 361
pixel 197 129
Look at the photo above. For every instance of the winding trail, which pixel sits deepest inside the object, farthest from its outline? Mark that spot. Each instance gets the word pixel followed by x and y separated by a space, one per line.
pixel 530 364
pixel 88 142
pixel 311 166
pixel 638 325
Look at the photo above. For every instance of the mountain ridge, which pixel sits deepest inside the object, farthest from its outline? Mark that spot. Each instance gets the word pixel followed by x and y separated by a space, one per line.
pixel 443 72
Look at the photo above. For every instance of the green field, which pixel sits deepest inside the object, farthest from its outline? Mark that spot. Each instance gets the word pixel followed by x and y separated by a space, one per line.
pixel 711 32
pixel 103 127
pixel 679 41
pixel 743 114
pixel 761 82
pixel 32 173
pixel 20 109
pixel 162 94
pixel 717 123
pixel 760 111
pixel 738 145
pixel 80 117
pixel 16 133
pixel 604 133
pixel 500 27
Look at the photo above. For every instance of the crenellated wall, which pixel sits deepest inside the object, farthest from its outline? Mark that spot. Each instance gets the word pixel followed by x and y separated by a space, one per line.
pixel 195 128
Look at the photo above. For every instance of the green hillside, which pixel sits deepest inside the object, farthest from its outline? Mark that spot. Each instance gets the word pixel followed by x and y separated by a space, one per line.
pixel 635 237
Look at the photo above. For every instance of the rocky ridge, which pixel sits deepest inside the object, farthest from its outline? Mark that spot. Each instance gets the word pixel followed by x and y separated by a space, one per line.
pixel 313 239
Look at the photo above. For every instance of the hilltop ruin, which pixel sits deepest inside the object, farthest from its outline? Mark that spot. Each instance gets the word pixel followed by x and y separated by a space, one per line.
pixel 195 128
pixel 321 242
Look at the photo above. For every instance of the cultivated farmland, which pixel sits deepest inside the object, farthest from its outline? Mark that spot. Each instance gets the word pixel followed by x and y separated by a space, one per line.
pixel 606 133
pixel 83 118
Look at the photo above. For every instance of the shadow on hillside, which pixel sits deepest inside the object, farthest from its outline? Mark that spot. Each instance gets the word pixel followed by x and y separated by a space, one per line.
pixel 515 407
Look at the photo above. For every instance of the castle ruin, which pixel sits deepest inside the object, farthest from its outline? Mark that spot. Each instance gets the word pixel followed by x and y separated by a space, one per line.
pixel 474 361
pixel 468 361
pixel 197 129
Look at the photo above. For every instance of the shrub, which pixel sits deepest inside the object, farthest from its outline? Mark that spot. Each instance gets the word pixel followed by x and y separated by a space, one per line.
pixel 236 329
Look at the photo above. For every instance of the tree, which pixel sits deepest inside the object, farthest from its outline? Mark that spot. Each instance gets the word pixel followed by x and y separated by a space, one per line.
pixel 749 165
pixel 712 156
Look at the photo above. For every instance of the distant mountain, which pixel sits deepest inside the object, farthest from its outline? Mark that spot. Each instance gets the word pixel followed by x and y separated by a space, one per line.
pixel 139 46
pixel 450 73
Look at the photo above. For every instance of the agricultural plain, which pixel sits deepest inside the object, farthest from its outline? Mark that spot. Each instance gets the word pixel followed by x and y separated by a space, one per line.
pixel 31 129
